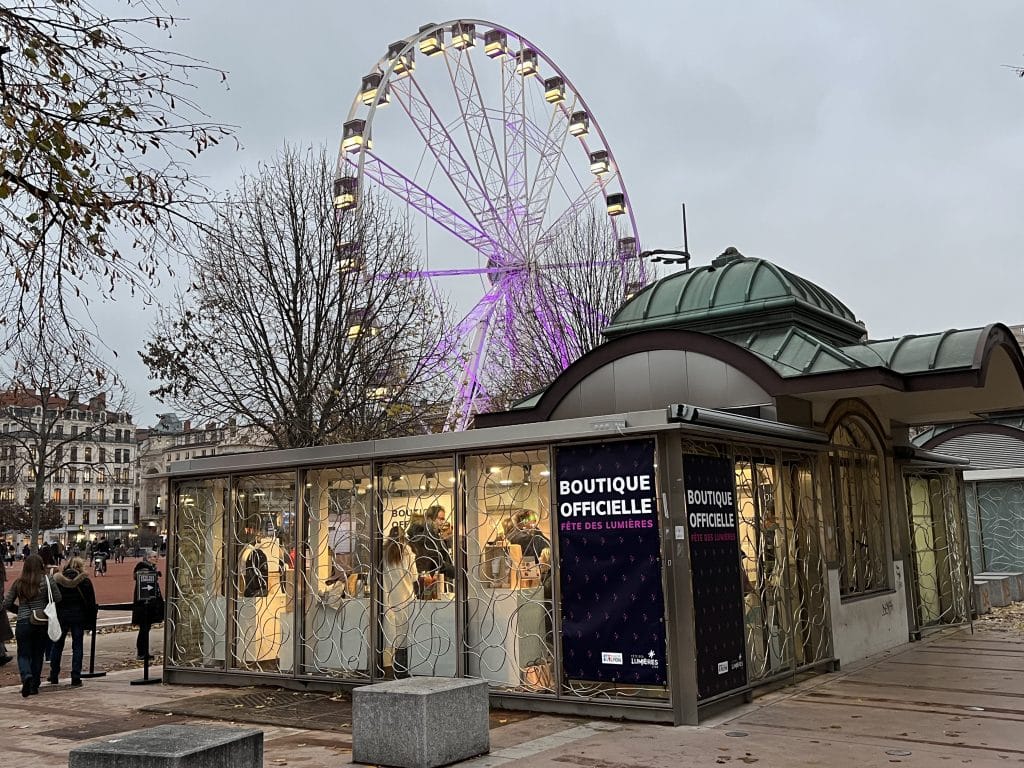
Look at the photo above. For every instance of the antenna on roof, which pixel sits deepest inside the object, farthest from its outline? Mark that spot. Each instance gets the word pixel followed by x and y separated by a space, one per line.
pixel 669 255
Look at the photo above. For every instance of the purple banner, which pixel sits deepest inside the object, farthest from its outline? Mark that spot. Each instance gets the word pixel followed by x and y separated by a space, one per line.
pixel 613 607
pixel 715 567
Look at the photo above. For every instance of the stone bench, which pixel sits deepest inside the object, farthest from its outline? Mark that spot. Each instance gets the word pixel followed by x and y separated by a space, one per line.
pixel 1015 579
pixel 420 722
pixel 982 598
pixel 174 746
pixel 998 589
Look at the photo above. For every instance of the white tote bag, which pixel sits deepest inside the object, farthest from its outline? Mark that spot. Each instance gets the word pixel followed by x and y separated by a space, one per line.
pixel 53 623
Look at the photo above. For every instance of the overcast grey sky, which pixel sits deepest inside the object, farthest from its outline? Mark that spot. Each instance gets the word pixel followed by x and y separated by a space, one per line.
pixel 874 147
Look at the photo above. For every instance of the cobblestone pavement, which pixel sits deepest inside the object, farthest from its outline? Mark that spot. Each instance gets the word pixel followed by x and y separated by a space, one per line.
pixel 956 698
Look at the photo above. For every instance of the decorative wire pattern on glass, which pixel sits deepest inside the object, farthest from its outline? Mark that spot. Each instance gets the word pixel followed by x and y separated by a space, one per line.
pixel 940 571
pixel 261 560
pixel 508 574
pixel 995 517
pixel 418 621
pixel 198 614
pixel 785 595
pixel 335 579
pixel 857 481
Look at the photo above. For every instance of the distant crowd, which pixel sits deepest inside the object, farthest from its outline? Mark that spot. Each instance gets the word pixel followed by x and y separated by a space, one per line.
pixel 54 597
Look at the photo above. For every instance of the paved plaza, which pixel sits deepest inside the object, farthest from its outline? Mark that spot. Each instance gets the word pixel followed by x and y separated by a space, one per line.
pixel 957 698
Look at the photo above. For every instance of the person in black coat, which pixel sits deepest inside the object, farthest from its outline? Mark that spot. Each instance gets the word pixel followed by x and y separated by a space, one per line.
pixel 77 613
pixel 147 609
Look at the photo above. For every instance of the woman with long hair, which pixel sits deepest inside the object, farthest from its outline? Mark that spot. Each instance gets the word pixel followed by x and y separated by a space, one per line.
pixel 31 591
pixel 77 614
pixel 399 575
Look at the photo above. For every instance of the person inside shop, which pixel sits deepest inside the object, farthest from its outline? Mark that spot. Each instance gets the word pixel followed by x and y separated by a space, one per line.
pixel 147 611
pixel 77 613
pixel 527 536
pixel 399 577
pixel 31 591
pixel 432 553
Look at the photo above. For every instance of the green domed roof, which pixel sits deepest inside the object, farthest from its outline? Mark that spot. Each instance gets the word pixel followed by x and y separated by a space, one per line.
pixel 735 294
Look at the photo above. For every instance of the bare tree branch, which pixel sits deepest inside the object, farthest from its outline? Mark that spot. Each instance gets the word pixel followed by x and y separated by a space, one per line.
pixel 282 329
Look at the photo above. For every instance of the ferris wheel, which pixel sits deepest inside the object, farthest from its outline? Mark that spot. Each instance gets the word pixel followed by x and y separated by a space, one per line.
pixel 493 148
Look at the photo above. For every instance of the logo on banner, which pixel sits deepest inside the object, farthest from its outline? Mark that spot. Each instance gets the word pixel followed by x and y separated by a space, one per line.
pixel 611 658
pixel 648 660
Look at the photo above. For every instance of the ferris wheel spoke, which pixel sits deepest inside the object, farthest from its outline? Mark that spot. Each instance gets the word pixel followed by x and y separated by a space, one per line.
pixel 477 327
pixel 551 152
pixel 449 157
pixel 584 200
pixel 474 118
pixel 391 179
pixel 431 273
pixel 512 119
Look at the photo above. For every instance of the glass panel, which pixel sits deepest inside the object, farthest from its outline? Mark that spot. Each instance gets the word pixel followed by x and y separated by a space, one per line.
pixel 508 563
pixel 261 558
pixel 417 614
pixel 198 616
pixel 940 574
pixel 339 505
pixel 1001 511
pixel 859 511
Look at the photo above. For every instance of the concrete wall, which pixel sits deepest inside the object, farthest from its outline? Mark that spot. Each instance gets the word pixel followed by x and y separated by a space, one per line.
pixel 866 626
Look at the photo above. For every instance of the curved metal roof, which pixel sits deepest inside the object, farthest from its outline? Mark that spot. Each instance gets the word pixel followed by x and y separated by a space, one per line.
pixel 732 293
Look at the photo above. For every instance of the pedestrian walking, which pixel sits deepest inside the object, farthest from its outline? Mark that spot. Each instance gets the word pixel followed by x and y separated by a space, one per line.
pixel 6 634
pixel 77 613
pixel 31 592
pixel 147 611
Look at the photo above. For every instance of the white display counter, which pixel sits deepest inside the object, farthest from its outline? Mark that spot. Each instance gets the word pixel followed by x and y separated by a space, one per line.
pixel 432 640
pixel 507 633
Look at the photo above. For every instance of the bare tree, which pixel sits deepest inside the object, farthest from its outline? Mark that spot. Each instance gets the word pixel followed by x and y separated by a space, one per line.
pixel 308 324
pixel 568 300
pixel 44 380
pixel 95 190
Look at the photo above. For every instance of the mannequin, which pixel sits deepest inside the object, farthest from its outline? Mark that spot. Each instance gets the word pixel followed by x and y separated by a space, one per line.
pixel 261 598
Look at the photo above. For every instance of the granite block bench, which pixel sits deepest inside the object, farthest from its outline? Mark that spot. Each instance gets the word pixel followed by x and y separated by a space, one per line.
pixel 420 722
pixel 1014 578
pixel 174 746
pixel 998 589
pixel 982 598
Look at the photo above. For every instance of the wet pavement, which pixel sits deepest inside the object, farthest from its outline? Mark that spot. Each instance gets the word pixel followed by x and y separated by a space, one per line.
pixel 956 698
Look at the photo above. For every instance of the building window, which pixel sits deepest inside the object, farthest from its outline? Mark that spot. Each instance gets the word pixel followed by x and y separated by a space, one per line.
pixel 86 493
pixel 56 495
pixel 71 495
pixel 88 455
pixel 860 522
pixel 99 517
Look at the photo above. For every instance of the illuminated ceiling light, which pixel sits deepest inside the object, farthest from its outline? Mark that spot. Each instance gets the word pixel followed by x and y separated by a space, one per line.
pixel 615 204
pixel 345 192
pixel 494 470
pixel 505 482
pixel 433 43
pixel 496 43
pixel 600 163
pixel 370 90
pixel 579 123
pixel 545 473
pixel 451 479
pixel 526 62
pixel 554 90
pixel 401 56
pixel 632 289
pixel 463 35
pixel 627 247
pixel 352 136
